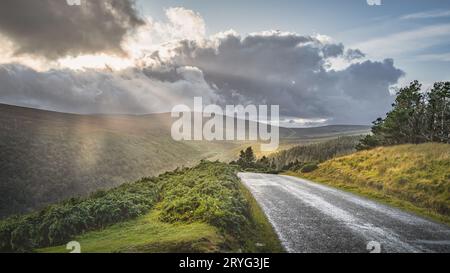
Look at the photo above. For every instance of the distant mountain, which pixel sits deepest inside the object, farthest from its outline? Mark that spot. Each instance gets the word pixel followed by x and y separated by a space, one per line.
pixel 47 156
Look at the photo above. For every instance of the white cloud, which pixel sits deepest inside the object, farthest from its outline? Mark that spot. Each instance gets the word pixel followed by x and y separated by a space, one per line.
pixel 186 24
pixel 427 15
pixel 301 122
pixel 441 57
pixel 181 24
pixel 405 42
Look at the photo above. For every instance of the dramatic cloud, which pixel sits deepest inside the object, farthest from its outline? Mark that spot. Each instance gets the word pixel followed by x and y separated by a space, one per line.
pixel 354 54
pixel 92 91
pixel 171 62
pixel 292 71
pixel 182 24
pixel 54 29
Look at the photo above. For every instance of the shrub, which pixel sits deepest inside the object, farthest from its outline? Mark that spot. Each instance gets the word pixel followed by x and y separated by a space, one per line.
pixel 57 224
pixel 310 167
pixel 209 193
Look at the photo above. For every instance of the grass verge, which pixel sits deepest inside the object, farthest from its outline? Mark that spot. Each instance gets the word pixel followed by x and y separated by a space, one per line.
pixel 148 234
pixel 261 236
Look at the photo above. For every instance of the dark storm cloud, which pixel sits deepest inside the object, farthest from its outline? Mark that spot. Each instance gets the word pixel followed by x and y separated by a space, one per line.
pixel 354 54
pixel 292 71
pixel 333 50
pixel 52 28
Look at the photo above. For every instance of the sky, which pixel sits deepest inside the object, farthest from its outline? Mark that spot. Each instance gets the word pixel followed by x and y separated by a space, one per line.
pixel 322 61
pixel 352 22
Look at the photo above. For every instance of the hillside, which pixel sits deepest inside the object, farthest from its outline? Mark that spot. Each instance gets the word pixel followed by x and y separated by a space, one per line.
pixel 200 209
pixel 316 152
pixel 413 177
pixel 46 157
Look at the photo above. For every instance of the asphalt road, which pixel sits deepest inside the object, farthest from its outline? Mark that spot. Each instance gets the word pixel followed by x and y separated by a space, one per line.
pixel 310 217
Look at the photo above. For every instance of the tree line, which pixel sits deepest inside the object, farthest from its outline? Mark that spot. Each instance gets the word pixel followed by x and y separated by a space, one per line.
pixel 303 158
pixel 247 161
pixel 416 117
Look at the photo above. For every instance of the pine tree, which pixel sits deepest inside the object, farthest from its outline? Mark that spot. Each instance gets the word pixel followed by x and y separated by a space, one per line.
pixel 247 158
pixel 416 117
pixel 438 112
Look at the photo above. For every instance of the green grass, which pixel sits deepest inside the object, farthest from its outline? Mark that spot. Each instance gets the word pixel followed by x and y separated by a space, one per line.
pixel 412 177
pixel 148 234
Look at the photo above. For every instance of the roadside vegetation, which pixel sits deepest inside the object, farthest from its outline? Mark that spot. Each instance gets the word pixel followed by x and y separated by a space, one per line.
pixel 200 209
pixel 148 234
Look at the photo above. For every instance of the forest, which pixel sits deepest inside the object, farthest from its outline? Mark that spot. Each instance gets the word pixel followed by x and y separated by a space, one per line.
pixel 303 158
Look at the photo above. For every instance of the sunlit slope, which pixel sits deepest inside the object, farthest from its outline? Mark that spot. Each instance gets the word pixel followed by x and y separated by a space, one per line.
pixel 47 156
pixel 415 177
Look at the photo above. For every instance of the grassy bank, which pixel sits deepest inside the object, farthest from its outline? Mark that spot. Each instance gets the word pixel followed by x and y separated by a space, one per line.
pixel 411 177
pixel 148 234
pixel 200 209
pixel 151 235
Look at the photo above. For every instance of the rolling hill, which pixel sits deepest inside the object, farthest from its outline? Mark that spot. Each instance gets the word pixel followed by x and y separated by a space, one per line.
pixel 46 157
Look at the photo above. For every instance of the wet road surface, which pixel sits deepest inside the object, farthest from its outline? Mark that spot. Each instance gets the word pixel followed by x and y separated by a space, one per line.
pixel 310 217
